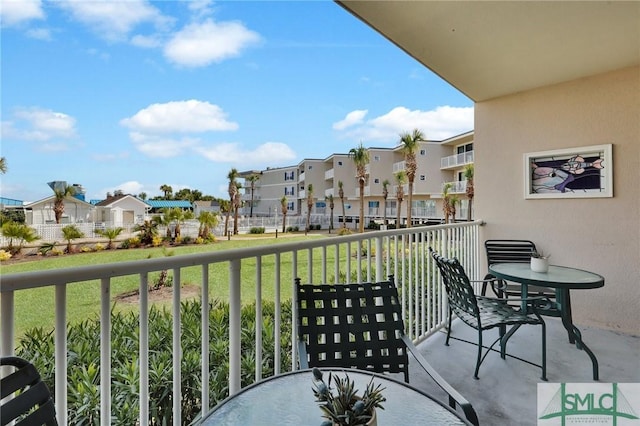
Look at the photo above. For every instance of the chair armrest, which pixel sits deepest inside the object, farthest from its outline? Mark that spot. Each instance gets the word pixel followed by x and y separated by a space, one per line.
pixel 303 359
pixel 454 397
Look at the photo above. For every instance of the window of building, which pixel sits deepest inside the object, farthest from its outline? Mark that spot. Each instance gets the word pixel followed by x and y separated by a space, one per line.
pixel 339 163
pixel 376 158
pixel 373 204
pixel 376 180
pixel 422 177
pixel 464 148
pixel 310 167
pixel 423 152
pixel 290 205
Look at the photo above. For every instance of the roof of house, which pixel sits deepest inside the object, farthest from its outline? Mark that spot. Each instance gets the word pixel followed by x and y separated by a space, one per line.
pixel 10 202
pixel 67 199
pixel 115 198
pixel 208 203
pixel 161 204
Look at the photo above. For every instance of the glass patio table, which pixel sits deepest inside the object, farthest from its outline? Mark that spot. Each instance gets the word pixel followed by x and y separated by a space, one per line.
pixel 287 399
pixel 561 279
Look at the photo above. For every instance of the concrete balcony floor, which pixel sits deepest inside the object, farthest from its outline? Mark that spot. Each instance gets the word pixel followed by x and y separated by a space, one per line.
pixel 506 392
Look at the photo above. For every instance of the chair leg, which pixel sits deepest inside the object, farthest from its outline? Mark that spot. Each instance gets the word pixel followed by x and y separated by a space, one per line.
pixel 446 343
pixel 544 351
pixel 475 375
pixel 567 306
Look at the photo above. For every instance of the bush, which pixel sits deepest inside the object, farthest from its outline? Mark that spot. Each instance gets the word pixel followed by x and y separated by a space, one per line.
pixel 84 360
pixel 344 231
pixel 187 239
pixel 373 225
pixel 257 230
pixel 4 255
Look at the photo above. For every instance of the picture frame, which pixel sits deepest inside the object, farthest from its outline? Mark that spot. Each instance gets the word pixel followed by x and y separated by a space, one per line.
pixel 581 172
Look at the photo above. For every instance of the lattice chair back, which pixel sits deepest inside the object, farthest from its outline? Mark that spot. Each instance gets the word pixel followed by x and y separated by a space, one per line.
pixel 31 403
pixel 509 251
pixel 352 326
pixel 460 294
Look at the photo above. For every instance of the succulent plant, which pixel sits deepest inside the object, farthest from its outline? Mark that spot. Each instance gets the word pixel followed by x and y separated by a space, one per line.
pixel 344 406
pixel 540 255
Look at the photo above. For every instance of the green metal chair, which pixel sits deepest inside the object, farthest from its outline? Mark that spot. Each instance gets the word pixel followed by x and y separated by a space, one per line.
pixel 31 403
pixel 361 326
pixel 483 313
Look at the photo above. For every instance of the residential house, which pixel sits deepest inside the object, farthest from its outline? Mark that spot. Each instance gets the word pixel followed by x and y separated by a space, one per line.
pixel 75 211
pixel 121 210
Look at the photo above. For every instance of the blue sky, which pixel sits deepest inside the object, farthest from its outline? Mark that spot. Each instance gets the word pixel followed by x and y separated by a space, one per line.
pixel 136 94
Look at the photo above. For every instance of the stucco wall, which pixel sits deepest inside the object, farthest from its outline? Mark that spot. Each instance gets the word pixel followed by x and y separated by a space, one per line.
pixel 599 234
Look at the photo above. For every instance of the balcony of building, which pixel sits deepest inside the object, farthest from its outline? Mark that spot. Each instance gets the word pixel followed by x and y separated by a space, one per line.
pixel 363 257
pixel 457 160
pixel 456 187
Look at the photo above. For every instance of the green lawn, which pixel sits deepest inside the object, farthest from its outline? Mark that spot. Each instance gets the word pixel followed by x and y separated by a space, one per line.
pixel 36 307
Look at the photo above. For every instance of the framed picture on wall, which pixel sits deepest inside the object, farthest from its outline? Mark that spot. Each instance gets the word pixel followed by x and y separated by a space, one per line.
pixel 582 172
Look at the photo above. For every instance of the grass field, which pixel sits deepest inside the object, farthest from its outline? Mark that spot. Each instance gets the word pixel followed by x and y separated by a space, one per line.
pixel 35 307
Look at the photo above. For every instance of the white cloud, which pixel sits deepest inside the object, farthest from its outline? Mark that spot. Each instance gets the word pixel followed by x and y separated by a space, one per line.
pixel 37 124
pixel 40 34
pixel 190 116
pixel 114 20
pixel 440 123
pixel 272 153
pixel 131 187
pixel 146 41
pixel 353 118
pixel 15 12
pixel 200 44
pixel 161 147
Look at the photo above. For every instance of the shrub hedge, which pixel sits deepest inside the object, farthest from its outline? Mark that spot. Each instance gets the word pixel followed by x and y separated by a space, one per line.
pixel 84 360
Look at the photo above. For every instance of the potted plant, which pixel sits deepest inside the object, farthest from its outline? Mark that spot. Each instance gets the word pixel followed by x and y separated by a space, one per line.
pixel 344 406
pixel 539 261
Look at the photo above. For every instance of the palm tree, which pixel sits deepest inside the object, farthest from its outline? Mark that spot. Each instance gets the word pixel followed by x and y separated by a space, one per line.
pixel 3 165
pixel 207 221
pixel 167 191
pixel 401 179
pixel 329 198
pixel 61 193
pixel 142 196
pixel 385 195
pixel 252 181
pixel 449 203
pixel 70 233
pixel 111 234
pixel 148 230
pixel 232 175
pixel 468 175
pixel 410 143
pixel 341 195
pixel 283 206
pixel 360 157
pixel 309 206
pixel 237 203
pixel 20 232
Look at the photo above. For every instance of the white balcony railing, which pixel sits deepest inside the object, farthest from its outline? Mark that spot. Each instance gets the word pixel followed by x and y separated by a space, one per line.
pixel 364 257
pixel 328 192
pixel 456 160
pixel 329 174
pixel 457 187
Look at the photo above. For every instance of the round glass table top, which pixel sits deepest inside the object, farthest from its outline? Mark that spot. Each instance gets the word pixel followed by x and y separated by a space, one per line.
pixel 288 399
pixel 556 276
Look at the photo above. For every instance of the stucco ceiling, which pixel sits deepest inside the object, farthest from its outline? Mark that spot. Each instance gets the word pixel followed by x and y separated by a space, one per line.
pixel 488 49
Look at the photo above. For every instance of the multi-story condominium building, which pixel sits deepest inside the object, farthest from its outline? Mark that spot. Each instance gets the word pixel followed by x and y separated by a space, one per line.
pixel 439 162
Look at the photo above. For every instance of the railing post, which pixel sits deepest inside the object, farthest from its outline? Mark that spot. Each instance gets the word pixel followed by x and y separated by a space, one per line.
pixel 234 326
pixel 204 306
pixel 6 318
pixel 61 353
pixel 144 349
pixel 105 352
pixel 177 350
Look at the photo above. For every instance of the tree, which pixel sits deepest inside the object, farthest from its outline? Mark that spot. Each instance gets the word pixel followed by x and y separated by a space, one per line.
pixel 252 182
pixel 111 234
pixel 329 198
pixel 284 207
pixel 360 157
pixel 3 165
pixel 70 233
pixel 237 203
pixel 448 203
pixel 410 144
pixel 176 216
pixel 385 195
pixel 168 191
pixel 147 230
pixel 207 221
pixel 341 195
pixel 19 232
pixel 61 193
pixel 401 179
pixel 142 196
pixel 468 175
pixel 232 189
pixel 309 207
